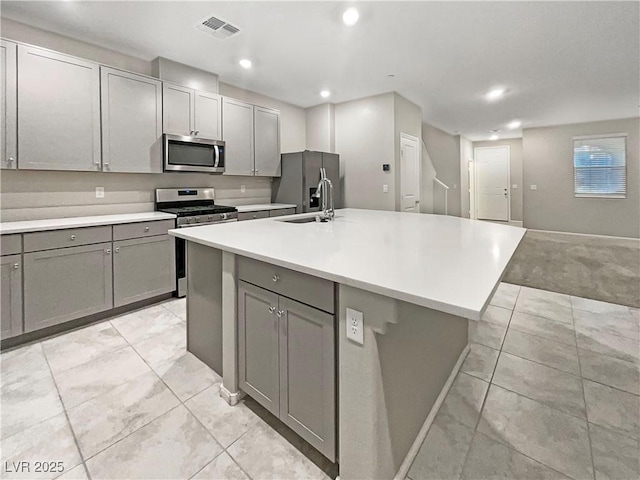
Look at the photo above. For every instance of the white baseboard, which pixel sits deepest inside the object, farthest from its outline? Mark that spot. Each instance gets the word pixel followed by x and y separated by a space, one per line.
pixel 422 434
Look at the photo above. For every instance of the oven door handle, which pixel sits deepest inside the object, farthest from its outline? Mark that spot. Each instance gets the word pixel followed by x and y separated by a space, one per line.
pixel 207 223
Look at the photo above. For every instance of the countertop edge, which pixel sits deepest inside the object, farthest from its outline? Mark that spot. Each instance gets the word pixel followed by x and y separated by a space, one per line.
pixel 30 226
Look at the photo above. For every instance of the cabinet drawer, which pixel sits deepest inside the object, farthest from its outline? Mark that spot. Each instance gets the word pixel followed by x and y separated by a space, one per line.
pixel 10 244
pixel 142 229
pixel 71 237
pixel 253 215
pixel 282 211
pixel 307 289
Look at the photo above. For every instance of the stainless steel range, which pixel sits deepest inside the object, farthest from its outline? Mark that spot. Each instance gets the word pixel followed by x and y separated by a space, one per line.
pixel 194 207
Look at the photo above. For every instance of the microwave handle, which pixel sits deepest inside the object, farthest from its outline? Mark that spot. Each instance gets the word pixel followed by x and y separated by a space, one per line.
pixel 217 161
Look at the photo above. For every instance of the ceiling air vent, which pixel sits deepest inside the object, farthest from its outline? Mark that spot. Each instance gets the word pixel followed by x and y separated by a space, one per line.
pixel 217 27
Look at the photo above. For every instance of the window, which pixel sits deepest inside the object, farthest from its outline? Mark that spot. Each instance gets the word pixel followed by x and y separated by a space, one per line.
pixel 600 166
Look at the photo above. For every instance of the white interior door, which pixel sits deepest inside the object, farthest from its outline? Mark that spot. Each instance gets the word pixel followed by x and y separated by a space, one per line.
pixel 409 174
pixel 492 183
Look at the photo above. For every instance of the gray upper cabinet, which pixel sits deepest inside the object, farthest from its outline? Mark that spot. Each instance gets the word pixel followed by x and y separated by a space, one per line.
pixel 131 122
pixel 258 345
pixel 58 121
pixel 237 133
pixel 177 109
pixel 65 284
pixel 267 142
pixel 307 374
pixel 208 115
pixel 143 268
pixel 8 105
pixel 11 295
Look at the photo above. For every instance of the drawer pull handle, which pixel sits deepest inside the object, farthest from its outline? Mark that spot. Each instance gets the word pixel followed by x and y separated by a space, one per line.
pixel 72 237
pixel 146 229
pixel 108 251
pixel 275 278
pixel 16 266
pixel 272 309
pixel 280 313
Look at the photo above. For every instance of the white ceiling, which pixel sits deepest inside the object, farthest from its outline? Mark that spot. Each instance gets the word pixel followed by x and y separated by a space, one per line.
pixel 560 62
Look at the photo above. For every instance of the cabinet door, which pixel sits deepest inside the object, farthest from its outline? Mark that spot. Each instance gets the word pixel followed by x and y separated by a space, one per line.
pixel 8 106
pixel 258 345
pixel 143 268
pixel 131 122
pixel 307 374
pixel 65 284
pixel 208 115
pixel 59 114
pixel 267 142
pixel 177 109
pixel 237 132
pixel 11 287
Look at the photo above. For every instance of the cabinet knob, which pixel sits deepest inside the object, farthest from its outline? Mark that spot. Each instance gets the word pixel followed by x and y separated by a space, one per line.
pixel 196 132
pixel 10 160
pixel 257 171
pixel 117 249
pixel 108 251
pixel 280 313
pixel 146 229
pixel 72 237
pixel 276 278
pixel 16 266
pixel 272 309
pixel 255 216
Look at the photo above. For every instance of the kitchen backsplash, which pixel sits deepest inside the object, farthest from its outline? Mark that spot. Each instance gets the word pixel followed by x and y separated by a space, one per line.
pixel 35 195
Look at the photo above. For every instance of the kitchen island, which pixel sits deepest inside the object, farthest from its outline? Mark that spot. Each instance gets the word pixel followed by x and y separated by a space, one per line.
pixel 417 280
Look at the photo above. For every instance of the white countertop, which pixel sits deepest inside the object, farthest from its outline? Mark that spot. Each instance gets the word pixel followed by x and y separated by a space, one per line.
pixel 78 222
pixel 446 263
pixel 263 206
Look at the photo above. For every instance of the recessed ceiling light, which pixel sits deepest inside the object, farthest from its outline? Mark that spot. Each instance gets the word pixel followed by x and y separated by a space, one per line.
pixel 495 93
pixel 350 16
pixel 496 130
pixel 244 63
pixel 515 124
pixel 493 137
pixel 325 93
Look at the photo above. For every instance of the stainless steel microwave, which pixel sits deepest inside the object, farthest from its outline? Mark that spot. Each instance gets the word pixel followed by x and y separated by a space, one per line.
pixel 192 154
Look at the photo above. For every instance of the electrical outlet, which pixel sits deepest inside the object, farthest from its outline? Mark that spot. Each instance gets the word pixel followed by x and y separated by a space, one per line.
pixel 99 192
pixel 385 188
pixel 243 189
pixel 534 187
pixel 514 186
pixel 355 326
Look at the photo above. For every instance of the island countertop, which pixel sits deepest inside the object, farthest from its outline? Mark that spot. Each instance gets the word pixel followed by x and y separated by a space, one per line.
pixel 441 262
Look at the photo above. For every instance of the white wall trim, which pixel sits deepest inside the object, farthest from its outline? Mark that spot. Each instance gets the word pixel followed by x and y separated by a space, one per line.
pixel 422 434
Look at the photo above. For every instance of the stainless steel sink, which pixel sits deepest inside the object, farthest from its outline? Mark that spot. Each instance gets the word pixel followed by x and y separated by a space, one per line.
pixel 301 220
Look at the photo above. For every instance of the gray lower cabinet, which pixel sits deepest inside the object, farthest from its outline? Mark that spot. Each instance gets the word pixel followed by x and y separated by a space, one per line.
pixel 66 283
pixel 11 298
pixel 287 362
pixel 143 268
pixel 258 345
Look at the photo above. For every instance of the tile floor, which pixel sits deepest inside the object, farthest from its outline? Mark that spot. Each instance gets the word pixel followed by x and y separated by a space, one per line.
pixel 123 399
pixel 549 390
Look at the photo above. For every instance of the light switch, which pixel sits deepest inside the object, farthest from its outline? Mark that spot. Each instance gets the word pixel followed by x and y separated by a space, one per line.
pixel 99 192
pixel 355 326
pixel 534 187
pixel 385 188
pixel 514 186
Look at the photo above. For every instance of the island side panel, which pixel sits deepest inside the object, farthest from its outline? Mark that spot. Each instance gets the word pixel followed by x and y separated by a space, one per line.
pixel 389 385
pixel 204 304
pixel 230 389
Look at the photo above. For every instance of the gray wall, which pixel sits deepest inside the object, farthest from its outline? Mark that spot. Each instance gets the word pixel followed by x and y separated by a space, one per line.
pixel 548 163
pixel 466 154
pixel 515 168
pixel 27 195
pixel 320 128
pixel 365 140
pixel 444 150
pixel 407 119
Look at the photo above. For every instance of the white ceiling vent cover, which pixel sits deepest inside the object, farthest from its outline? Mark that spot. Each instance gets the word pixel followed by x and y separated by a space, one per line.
pixel 217 27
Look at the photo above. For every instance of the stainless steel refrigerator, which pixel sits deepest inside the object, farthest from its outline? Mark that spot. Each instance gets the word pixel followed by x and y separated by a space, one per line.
pixel 300 177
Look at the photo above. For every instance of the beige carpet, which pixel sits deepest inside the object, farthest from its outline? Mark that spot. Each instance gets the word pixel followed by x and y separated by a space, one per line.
pixel 601 268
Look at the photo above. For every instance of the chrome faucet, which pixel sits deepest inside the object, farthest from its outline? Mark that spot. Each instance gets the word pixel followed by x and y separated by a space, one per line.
pixel 325 193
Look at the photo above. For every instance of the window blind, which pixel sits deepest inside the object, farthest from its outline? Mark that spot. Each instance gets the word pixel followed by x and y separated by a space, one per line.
pixel 600 166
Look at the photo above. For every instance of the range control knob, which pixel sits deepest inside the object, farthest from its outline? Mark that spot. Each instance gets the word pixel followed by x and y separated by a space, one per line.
pixel 209 217
pixel 196 220
pixel 223 216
